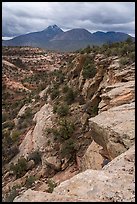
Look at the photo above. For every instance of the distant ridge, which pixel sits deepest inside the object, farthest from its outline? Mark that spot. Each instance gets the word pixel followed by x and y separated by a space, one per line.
pixel 54 38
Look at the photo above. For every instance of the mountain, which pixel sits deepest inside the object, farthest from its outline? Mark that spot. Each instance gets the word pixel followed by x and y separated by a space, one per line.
pixel 35 39
pixel 53 38
pixel 74 34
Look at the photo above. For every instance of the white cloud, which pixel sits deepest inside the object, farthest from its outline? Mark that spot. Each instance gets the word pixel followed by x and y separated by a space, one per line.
pixel 22 17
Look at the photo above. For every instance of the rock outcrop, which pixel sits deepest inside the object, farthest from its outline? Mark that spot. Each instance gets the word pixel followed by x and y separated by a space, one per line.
pixel 114 183
pixel 114 129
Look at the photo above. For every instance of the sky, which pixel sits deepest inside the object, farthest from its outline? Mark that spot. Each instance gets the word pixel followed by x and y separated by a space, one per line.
pixel 24 17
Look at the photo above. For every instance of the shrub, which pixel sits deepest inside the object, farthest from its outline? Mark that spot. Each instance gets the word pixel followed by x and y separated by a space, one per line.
pixel 36 156
pixel 55 107
pixel 22 124
pixel 12 194
pixel 20 168
pixel 124 61
pixel 66 129
pixel 69 148
pixel 95 110
pixel 87 49
pixel 48 130
pixel 15 135
pixel 51 185
pixel 131 57
pixel 70 96
pixel 29 181
pixel 61 110
pixel 129 40
pixel 54 94
pixel 48 142
pixel 65 88
pixel 89 71
pixel 124 50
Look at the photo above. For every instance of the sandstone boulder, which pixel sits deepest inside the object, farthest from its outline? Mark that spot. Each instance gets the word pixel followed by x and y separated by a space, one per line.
pixel 52 162
pixel 114 129
pixel 92 159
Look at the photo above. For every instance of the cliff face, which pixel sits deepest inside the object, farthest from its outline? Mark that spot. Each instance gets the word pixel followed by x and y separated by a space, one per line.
pixel 81 119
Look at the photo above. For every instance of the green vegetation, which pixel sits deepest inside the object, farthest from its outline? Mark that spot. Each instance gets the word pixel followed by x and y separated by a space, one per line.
pixel 64 131
pixel 95 110
pixel 20 168
pixel 89 69
pixel 54 94
pixel 70 96
pixel 124 61
pixel 12 194
pixel 54 91
pixel 36 156
pixel 15 135
pixel 61 110
pixel 30 181
pixel 69 148
pixel 59 76
pixel 51 185
pixel 65 88
pixel 120 49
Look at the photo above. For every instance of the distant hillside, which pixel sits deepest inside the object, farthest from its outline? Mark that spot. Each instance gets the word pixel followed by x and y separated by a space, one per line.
pixel 53 38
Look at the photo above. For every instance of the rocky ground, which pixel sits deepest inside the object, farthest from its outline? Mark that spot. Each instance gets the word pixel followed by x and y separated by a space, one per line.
pixel 114 183
pixel 93 158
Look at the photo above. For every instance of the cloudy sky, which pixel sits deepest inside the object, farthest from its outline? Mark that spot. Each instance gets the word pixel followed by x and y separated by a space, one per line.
pixel 23 17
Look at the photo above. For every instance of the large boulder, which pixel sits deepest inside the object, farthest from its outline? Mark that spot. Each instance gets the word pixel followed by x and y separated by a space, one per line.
pixel 114 129
pixel 92 158
pixel 43 119
pixel 52 163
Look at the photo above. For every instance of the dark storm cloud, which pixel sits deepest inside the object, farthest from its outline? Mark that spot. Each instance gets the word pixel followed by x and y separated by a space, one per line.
pixel 23 17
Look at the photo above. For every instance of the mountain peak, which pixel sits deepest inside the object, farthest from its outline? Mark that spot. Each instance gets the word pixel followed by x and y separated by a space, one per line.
pixel 53 28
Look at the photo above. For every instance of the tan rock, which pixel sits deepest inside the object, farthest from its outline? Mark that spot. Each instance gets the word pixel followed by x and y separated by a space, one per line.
pixel 30 164
pixel 92 159
pixel 117 94
pixel 84 119
pixel 44 187
pixel 52 162
pixel 114 129
pixel 115 183
pixel 41 173
pixel 43 120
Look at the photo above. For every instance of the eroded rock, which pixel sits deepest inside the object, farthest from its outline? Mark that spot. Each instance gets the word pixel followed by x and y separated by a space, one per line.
pixel 114 129
pixel 92 159
pixel 115 183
